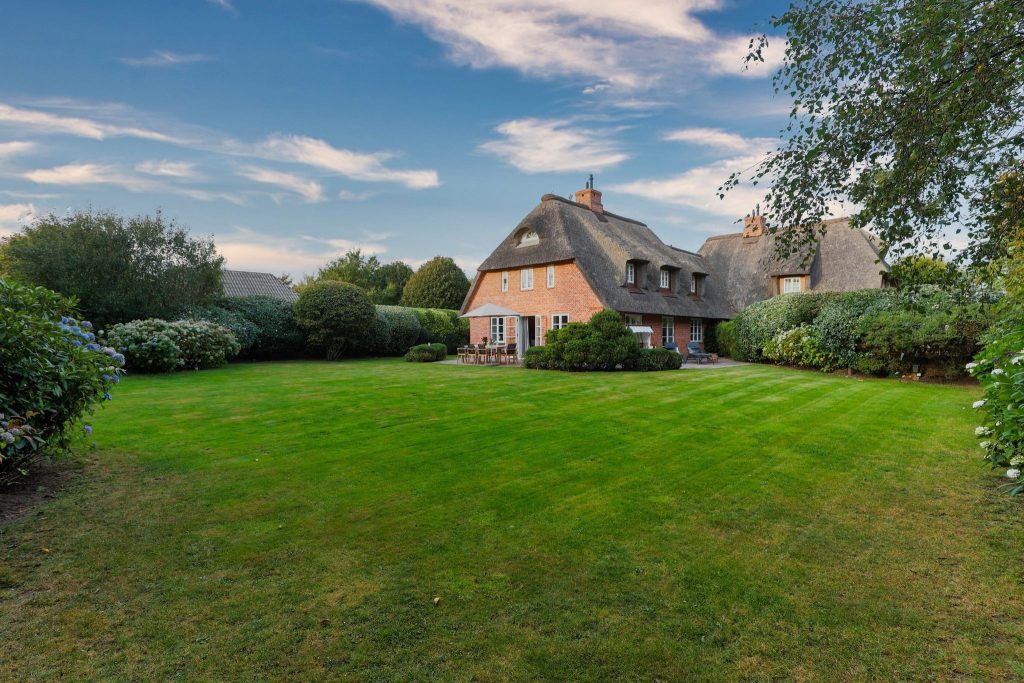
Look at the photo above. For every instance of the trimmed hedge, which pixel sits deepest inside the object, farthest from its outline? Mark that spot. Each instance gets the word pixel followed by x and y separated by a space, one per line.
pixel 393 330
pixel 426 353
pixel 442 326
pixel 604 344
pixel 762 321
pixel 159 346
pixel 656 359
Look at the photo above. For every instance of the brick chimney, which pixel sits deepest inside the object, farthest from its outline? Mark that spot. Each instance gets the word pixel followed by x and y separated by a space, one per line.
pixel 753 224
pixel 590 197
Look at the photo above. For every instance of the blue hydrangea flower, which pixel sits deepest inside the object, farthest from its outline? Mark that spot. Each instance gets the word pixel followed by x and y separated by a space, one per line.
pixel 92 347
pixel 86 324
pixel 87 429
pixel 108 397
pixel 7 437
pixel 76 342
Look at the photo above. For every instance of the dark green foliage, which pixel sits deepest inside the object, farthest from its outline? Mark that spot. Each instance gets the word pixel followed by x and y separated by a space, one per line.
pixel 155 345
pixel 537 358
pixel 603 343
pixel 334 315
pixel 383 283
pixel 443 327
pixel 265 327
pixel 439 283
pixel 835 329
pixel 391 333
pixel 762 321
pixel 426 353
pixel 118 268
pixel 910 110
pixel 658 359
pixel 725 338
pixel 52 372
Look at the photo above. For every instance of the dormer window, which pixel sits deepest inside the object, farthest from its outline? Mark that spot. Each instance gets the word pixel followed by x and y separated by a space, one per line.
pixel 693 284
pixel 630 274
pixel 666 278
pixel 528 238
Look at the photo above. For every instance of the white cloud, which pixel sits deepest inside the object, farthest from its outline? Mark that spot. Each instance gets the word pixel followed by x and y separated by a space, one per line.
pixel 225 5
pixel 164 58
pixel 249 250
pixel 716 138
pixel 621 43
pixel 728 58
pixel 698 188
pixel 310 190
pixel 15 147
pixel 550 145
pixel 355 165
pixel 349 196
pixel 13 216
pixel 88 174
pixel 169 169
pixel 34 121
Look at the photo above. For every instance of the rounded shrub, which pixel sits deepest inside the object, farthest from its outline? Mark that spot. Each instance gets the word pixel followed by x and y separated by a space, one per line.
pixel 204 344
pixel 604 343
pixel 53 371
pixel 334 315
pixel 147 345
pixel 537 358
pixel 393 330
pixel 837 325
pixel 426 353
pixel 439 283
pixel 442 326
pixel 651 360
pixel 762 321
pixel 274 331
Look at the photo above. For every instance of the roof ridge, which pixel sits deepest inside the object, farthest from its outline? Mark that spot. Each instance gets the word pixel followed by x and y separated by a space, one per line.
pixel 570 202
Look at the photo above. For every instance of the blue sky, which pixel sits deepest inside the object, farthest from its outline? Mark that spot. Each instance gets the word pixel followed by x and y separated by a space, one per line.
pixel 292 131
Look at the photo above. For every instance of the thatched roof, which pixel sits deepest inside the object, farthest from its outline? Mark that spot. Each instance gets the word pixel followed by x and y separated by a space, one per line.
pixel 844 259
pixel 246 283
pixel 601 244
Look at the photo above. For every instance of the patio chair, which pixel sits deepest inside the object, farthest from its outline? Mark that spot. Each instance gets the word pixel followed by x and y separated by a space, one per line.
pixel 508 354
pixel 462 354
pixel 693 351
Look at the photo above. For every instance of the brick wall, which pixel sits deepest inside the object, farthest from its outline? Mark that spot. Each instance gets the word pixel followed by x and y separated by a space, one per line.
pixel 570 295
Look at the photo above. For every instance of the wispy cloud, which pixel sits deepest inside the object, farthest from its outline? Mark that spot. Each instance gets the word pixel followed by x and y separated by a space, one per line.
pixel 245 248
pixel 15 147
pixel 310 190
pixel 44 122
pixel 719 139
pixel 88 174
pixel 14 216
pixel 169 169
pixel 621 43
pixel 225 5
pixel 697 188
pixel 349 196
pixel 320 154
pixel 550 145
pixel 165 58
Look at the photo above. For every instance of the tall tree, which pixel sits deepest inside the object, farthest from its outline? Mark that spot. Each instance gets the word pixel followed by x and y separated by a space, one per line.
pixel 439 283
pixel 383 282
pixel 909 109
pixel 118 268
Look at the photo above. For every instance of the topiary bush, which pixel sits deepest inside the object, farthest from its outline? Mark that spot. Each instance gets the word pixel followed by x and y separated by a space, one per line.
pixel 160 346
pixel 426 353
pixel 334 315
pixel 52 373
pixel 439 283
pixel 147 345
pixel 604 343
pixel 651 360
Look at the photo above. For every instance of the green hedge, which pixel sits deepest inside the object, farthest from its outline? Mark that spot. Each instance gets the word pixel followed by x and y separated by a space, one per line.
pixel 426 353
pixel 651 360
pixel 602 344
pixel 265 327
pixel 442 326
pixel 762 321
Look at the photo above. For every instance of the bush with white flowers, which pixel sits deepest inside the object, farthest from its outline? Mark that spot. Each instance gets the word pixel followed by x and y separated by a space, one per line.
pixel 160 346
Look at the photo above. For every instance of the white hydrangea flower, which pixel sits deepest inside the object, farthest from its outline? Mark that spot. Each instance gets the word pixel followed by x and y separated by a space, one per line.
pixel 998 371
pixel 1017 461
pixel 971 366
pixel 1017 360
pixel 982 431
pixel 984 445
pixel 978 404
pixel 1013 473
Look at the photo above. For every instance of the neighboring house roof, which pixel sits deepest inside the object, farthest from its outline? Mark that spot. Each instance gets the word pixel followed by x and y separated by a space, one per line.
pixel 843 259
pixel 245 283
pixel 600 244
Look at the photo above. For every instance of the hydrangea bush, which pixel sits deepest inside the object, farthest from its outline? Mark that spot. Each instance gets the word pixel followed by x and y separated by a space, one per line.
pixel 53 371
pixel 159 346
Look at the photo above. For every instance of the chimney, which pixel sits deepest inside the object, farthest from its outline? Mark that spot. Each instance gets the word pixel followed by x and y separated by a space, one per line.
pixel 590 197
pixel 753 224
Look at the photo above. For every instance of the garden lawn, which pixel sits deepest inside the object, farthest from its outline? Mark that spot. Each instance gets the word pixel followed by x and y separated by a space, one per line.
pixel 296 521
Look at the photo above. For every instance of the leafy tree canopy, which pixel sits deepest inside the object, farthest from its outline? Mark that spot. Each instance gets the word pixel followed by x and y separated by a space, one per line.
pixel 383 282
pixel 118 268
pixel 911 110
pixel 439 283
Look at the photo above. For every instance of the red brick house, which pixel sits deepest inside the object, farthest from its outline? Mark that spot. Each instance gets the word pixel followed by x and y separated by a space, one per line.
pixel 567 260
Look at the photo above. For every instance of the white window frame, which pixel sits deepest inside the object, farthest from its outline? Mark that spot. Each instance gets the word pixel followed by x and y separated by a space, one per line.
pixel 559 320
pixel 498 329
pixel 792 284
pixel 696 330
pixel 551 276
pixel 634 319
pixel 668 330
pixel 528 238
pixel 526 279
pixel 630 274
pixel 666 278
pixel 693 283
pixel 504 280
